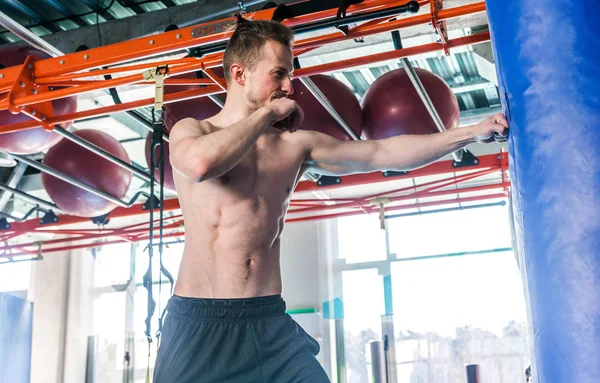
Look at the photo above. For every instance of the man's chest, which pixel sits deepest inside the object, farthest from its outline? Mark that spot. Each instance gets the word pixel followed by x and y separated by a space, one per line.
pixel 269 165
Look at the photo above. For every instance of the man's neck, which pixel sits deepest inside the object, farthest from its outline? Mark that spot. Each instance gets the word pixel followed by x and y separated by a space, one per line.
pixel 236 108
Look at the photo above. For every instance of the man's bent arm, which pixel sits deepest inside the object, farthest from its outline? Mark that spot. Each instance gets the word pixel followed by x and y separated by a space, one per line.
pixel 200 154
pixel 327 155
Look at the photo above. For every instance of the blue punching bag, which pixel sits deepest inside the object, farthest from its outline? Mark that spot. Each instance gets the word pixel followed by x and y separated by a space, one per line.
pixel 547 59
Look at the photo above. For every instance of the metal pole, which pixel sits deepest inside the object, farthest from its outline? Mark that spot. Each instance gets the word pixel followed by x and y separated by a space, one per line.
pixel 427 102
pixel 389 347
pixel 473 373
pixel 412 75
pixel 22 219
pixel 102 153
pixel 13 181
pixel 70 180
pixel 6 162
pixel 217 100
pixel 377 362
pixel 30 198
pixel 423 94
pixel 226 13
pixel 28 36
pixel 312 88
pixel 312 176
pixel 410 7
pixel 340 350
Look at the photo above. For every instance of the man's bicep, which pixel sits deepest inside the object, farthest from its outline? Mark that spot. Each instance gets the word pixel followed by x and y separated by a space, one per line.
pixel 187 128
pixel 328 155
pixel 184 146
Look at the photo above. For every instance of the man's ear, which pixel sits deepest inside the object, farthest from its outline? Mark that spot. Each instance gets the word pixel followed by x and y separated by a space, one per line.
pixel 237 73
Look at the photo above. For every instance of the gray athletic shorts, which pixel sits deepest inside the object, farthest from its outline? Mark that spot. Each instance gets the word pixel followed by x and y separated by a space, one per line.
pixel 235 340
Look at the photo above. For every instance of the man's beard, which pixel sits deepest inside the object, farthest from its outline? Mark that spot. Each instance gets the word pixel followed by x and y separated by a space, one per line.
pixel 256 102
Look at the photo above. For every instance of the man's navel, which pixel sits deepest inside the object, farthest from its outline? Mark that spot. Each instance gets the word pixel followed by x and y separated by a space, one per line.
pixel 250 263
pixel 224 179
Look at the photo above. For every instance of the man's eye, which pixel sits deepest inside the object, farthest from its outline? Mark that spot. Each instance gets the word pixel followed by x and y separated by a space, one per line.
pixel 279 74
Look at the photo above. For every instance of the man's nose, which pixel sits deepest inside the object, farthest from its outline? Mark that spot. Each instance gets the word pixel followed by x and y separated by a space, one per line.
pixel 287 87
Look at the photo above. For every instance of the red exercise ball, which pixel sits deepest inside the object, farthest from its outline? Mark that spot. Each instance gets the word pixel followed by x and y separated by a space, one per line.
pixel 89 168
pixel 37 139
pixel 317 118
pixel 168 172
pixel 199 108
pixel 391 105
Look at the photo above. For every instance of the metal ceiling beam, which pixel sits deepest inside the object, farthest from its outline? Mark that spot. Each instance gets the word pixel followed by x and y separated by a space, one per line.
pixel 57 5
pixel 19 6
pixel 473 86
pixel 92 4
pixel 136 8
pixel 484 60
pixel 60 7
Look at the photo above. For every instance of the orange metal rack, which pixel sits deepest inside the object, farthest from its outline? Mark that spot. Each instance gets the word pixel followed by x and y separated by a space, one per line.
pixel 27 89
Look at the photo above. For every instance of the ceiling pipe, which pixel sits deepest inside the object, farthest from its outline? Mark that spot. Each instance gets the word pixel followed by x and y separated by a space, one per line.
pixel 316 92
pixel 28 36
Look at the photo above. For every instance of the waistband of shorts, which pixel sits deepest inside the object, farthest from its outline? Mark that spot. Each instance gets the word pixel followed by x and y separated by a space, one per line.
pixel 226 309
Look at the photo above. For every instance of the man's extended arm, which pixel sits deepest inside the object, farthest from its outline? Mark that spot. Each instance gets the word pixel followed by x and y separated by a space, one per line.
pixel 330 156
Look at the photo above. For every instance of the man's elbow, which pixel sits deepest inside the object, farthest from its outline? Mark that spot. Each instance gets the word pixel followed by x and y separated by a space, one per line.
pixel 198 174
pixel 392 163
pixel 194 170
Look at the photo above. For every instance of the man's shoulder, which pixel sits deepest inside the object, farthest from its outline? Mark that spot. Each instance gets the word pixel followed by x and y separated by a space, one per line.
pixel 299 138
pixel 303 135
pixel 306 140
pixel 309 138
pixel 192 126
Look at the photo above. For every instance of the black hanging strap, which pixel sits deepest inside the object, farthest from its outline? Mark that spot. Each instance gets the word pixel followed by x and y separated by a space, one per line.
pixel 156 162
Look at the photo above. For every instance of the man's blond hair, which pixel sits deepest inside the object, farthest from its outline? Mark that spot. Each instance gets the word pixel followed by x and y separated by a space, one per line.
pixel 245 45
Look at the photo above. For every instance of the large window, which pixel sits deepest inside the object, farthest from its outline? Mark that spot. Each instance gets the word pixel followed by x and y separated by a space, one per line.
pixel 112 265
pixel 109 331
pixel 112 272
pixel 450 312
pixel 363 307
pixel 449 232
pixel 361 239
pixel 121 307
pixel 15 276
pixel 479 290
pixel 171 258
pixel 453 286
